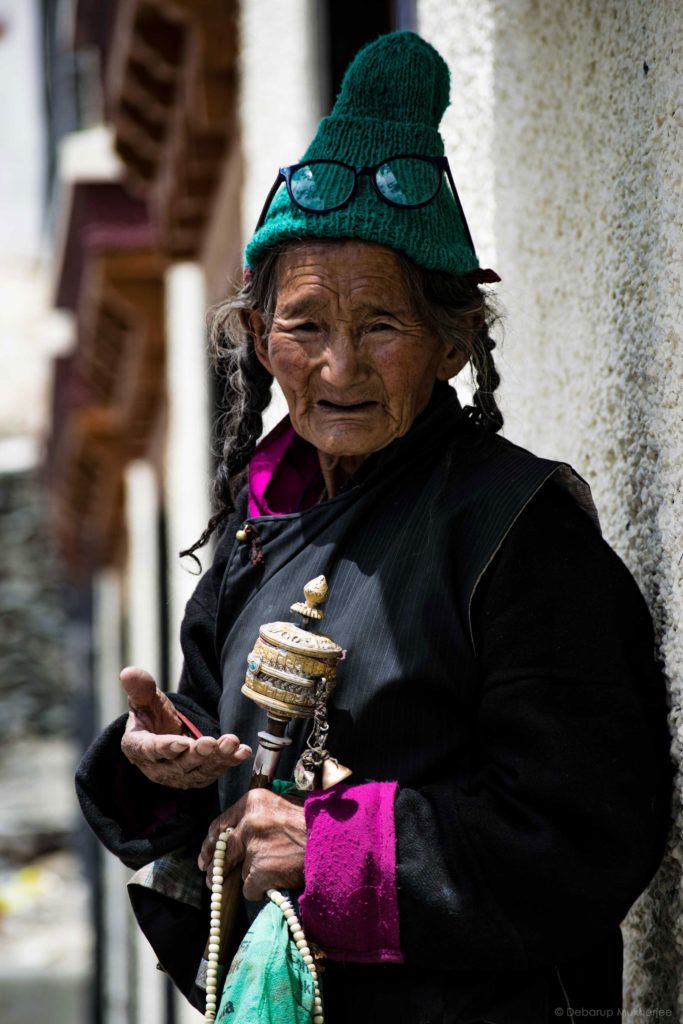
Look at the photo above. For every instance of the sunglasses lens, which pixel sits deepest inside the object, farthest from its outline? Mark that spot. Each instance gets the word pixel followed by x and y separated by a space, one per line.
pixel 321 186
pixel 408 180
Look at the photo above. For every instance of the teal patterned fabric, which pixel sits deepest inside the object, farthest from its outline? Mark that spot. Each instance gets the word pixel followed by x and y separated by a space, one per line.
pixel 268 981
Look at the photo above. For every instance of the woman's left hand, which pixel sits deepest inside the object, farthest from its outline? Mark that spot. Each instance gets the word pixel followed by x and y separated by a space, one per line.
pixel 269 839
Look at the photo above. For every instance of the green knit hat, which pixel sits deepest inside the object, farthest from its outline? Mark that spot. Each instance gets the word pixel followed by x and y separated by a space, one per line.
pixel 391 101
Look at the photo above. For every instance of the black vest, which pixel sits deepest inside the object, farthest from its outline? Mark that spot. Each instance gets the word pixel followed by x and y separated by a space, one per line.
pixel 402 548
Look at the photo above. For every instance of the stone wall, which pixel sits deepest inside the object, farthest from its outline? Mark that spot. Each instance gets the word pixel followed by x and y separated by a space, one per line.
pixel 585 153
pixel 35 689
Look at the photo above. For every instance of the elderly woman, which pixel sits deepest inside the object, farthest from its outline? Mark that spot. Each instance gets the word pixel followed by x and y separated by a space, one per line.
pixel 499 706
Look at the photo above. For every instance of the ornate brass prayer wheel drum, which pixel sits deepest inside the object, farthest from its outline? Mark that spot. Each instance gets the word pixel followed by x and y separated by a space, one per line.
pixel 286 665
pixel 290 674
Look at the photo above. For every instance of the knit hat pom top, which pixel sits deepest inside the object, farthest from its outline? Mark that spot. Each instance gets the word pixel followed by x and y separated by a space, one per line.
pixel 391 102
pixel 399 77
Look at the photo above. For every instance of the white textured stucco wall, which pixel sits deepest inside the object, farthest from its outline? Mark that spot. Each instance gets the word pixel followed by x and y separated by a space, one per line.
pixel 585 151
pixel 465 38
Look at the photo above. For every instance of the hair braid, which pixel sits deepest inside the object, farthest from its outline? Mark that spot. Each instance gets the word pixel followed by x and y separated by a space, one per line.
pixel 246 394
pixel 487 379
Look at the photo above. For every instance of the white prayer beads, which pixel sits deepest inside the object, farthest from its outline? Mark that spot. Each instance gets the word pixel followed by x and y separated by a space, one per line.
pixel 215 926
pixel 290 917
pixel 299 940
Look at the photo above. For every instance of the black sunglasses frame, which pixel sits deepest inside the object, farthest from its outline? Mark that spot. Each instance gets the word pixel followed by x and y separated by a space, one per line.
pixel 285 174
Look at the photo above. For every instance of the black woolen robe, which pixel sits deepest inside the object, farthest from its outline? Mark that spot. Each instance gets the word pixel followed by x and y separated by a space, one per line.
pixel 500 668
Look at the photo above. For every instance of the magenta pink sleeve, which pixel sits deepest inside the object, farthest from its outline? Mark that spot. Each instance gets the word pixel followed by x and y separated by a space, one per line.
pixel 349 905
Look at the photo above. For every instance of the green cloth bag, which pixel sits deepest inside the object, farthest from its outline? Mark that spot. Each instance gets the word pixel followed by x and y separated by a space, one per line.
pixel 268 981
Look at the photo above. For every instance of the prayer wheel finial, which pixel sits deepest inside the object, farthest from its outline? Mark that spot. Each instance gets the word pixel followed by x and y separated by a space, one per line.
pixel 315 593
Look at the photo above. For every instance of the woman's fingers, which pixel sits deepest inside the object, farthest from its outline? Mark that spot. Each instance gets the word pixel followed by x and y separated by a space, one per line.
pixel 154 740
pixel 229 745
pixel 190 753
pixel 181 761
pixel 206 752
pixel 138 683
pixel 234 851
pixel 151 708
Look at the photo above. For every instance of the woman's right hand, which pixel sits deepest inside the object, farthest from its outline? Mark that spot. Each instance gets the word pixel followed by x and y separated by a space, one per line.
pixel 156 741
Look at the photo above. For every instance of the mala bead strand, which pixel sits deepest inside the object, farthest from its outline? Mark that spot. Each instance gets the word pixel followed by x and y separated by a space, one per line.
pixel 299 939
pixel 289 914
pixel 215 926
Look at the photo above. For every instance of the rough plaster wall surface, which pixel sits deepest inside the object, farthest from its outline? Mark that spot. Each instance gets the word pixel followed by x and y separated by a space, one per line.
pixel 587 154
pixel 466 41
pixel 464 37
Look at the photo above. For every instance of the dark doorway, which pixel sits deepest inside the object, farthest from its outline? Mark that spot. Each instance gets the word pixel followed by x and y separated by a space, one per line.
pixel 347 25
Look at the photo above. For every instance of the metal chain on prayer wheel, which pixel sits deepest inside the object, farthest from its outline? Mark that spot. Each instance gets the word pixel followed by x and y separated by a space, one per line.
pixel 291 673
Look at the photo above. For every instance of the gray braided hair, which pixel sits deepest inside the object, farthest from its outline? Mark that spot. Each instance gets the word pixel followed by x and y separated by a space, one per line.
pixel 455 307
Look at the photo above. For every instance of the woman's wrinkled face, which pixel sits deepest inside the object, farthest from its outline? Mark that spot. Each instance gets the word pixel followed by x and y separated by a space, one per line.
pixel 354 362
